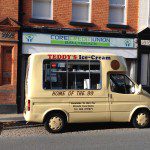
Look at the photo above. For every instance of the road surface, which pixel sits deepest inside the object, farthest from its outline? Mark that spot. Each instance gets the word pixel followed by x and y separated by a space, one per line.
pixel 77 137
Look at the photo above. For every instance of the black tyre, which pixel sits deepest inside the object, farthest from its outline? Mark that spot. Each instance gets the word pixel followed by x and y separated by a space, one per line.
pixel 141 119
pixel 55 123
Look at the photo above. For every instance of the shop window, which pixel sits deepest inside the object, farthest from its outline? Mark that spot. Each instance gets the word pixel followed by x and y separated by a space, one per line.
pixel 71 75
pixel 145 70
pixel 81 10
pixel 42 9
pixel 120 83
pixel 6 65
pixel 117 12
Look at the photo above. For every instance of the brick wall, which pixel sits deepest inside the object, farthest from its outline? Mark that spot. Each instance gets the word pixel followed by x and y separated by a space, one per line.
pixel 8 62
pixel 133 9
pixel 9 8
pixel 62 13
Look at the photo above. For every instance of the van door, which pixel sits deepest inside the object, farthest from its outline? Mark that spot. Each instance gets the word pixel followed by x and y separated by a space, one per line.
pixel 122 97
pixel 89 108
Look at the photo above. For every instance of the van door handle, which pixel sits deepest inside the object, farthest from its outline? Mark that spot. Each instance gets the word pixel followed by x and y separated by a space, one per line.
pixel 111 98
pixel 110 95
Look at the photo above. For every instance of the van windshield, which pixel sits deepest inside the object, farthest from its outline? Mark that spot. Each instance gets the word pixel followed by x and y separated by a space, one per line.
pixel 120 83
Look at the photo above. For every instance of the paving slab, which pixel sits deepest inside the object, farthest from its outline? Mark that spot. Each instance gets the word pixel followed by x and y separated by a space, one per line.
pixel 11 117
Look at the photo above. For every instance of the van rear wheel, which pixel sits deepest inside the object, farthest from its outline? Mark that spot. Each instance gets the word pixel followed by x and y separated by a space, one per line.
pixel 55 123
pixel 141 119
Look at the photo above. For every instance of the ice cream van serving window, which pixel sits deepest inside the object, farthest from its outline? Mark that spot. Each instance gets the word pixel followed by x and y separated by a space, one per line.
pixel 71 74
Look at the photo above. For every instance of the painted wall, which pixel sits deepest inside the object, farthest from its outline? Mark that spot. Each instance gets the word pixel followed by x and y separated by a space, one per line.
pixel 144 14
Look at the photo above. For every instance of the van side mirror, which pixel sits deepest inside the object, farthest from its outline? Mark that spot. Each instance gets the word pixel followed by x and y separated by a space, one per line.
pixel 140 88
pixel 132 89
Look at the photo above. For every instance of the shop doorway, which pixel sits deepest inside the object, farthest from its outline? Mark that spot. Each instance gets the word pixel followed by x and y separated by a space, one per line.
pixel 6 62
pixel 21 103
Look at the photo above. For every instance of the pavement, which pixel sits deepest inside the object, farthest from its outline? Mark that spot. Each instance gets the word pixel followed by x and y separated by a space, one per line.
pixel 10 120
pixel 11 117
pixel 15 121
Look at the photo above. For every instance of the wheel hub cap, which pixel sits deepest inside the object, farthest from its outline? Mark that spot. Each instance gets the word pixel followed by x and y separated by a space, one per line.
pixel 142 119
pixel 55 123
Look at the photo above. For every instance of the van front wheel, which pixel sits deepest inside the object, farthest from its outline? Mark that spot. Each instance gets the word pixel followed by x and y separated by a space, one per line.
pixel 54 123
pixel 141 119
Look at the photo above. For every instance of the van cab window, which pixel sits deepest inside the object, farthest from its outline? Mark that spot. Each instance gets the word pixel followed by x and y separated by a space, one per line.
pixel 120 83
pixel 71 74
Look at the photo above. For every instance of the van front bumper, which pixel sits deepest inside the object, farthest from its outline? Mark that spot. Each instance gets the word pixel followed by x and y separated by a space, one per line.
pixel 32 117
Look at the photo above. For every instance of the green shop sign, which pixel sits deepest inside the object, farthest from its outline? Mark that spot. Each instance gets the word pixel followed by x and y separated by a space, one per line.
pixel 72 40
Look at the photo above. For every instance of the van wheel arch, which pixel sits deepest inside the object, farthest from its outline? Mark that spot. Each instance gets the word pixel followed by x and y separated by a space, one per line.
pixel 54 112
pixel 138 111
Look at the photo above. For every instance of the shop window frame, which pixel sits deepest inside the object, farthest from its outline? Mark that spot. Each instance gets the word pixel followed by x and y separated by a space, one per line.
pixel 118 24
pixel 37 19
pixel 78 2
